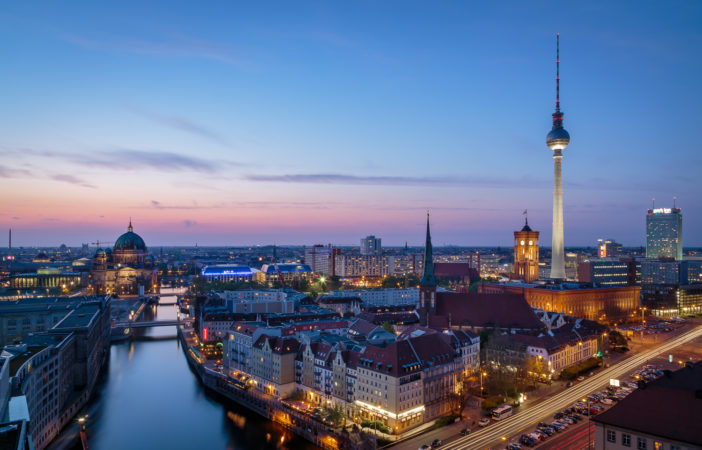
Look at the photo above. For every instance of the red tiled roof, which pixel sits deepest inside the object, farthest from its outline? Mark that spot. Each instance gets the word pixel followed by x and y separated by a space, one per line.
pixel 487 310
pixel 453 269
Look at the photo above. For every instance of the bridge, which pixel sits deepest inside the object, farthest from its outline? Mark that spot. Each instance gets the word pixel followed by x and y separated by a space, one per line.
pixel 153 323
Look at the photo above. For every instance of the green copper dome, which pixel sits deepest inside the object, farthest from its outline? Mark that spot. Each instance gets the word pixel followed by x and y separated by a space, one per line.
pixel 130 241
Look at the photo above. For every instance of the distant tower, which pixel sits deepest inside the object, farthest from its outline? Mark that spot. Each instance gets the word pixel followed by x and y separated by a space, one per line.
pixel 526 254
pixel 557 140
pixel 427 285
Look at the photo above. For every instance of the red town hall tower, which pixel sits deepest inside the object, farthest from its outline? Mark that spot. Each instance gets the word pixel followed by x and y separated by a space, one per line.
pixel 526 254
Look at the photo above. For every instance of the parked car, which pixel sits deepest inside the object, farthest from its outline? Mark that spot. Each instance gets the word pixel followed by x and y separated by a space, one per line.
pixel 424 447
pixel 581 378
pixel 607 401
pixel 436 443
pixel 484 422
pixel 465 431
pixel 546 429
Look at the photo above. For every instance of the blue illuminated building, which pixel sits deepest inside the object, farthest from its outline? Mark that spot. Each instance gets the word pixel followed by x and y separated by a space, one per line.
pixel 227 272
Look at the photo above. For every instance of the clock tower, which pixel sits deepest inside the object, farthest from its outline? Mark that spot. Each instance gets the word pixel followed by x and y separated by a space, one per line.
pixel 526 254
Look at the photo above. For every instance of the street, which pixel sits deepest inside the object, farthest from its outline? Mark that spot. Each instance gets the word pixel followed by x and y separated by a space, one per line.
pixel 497 433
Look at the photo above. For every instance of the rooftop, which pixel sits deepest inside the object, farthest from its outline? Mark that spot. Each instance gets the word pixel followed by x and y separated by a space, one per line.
pixel 677 397
pixel 79 317
pixel 18 361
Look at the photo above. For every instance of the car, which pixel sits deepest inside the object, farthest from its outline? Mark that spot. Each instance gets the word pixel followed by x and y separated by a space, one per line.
pixel 581 378
pixel 436 443
pixel 607 401
pixel 465 431
pixel 484 422
pixel 576 416
pixel 558 415
pixel 514 446
pixel 526 440
pixel 546 429
pixel 536 437
pixel 569 384
pixel 424 447
pixel 541 425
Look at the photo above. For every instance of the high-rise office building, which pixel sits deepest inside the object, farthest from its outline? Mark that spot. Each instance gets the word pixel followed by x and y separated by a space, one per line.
pixel 370 245
pixel 557 140
pixel 664 233
pixel 526 254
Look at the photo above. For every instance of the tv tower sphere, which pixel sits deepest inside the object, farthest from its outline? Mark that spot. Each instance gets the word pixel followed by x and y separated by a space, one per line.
pixel 557 139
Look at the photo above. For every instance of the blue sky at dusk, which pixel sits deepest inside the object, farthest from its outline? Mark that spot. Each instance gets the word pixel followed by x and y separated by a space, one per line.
pixel 314 122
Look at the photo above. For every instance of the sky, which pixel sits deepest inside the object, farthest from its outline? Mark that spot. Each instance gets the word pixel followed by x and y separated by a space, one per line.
pixel 233 123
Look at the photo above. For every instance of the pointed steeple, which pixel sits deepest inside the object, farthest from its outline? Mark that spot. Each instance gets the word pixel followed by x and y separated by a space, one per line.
pixel 428 278
pixel 129 228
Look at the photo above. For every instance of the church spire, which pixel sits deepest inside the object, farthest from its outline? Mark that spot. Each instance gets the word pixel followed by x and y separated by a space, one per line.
pixel 129 228
pixel 428 278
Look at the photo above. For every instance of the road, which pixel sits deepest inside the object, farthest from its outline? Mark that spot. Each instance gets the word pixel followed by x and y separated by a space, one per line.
pixel 576 438
pixel 496 433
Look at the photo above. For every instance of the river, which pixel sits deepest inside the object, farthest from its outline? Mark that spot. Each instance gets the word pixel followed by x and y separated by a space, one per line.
pixel 148 398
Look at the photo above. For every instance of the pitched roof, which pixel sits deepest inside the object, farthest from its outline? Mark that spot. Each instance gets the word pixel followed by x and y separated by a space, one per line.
pixel 487 310
pixel 677 397
pixel 453 269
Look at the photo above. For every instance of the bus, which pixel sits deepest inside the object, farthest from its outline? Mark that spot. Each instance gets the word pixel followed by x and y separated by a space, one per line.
pixel 501 412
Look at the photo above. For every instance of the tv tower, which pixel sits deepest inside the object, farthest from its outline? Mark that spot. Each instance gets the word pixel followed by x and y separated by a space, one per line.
pixel 557 140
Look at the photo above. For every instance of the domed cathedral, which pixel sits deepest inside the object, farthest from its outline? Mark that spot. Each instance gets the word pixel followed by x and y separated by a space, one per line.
pixel 125 269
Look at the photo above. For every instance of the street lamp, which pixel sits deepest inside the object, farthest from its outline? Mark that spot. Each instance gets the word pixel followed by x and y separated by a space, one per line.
pixel 481 382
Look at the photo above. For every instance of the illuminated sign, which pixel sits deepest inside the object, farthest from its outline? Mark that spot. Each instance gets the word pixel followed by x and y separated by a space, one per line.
pixel 662 211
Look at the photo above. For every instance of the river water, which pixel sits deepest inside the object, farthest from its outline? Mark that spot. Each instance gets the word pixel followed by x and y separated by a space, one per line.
pixel 148 398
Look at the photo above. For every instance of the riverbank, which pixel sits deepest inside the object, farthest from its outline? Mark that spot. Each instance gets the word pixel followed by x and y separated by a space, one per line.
pixel 267 406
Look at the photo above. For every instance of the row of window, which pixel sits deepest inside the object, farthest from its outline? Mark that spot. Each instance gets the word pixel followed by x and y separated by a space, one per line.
pixel 641 443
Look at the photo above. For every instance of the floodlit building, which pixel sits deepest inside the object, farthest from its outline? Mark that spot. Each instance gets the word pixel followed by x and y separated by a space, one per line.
pixel 664 233
pixel 526 254
pixel 126 269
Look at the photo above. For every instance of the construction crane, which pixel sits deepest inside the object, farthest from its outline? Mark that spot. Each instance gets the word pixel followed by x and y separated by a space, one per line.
pixel 98 242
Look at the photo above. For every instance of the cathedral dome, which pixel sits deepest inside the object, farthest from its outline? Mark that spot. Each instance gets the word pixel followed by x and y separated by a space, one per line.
pixel 130 241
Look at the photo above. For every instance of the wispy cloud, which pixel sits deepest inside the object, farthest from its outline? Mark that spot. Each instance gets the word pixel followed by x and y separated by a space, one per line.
pixel 389 180
pixel 161 45
pixel 128 159
pixel 124 159
pixel 72 180
pixel 183 124
pixel 158 205
pixel 7 172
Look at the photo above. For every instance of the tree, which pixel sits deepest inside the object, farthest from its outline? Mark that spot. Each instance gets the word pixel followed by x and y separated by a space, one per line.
pixel 335 415
pixel 459 398
pixel 617 342
pixel 387 326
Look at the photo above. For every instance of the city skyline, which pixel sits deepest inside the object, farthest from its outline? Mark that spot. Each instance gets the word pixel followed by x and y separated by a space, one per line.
pixel 227 126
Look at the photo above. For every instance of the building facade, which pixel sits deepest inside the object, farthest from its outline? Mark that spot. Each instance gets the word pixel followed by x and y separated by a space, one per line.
pixel 664 233
pixel 126 269
pixel 526 254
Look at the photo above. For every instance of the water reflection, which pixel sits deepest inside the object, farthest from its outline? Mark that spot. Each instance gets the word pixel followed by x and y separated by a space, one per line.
pixel 149 398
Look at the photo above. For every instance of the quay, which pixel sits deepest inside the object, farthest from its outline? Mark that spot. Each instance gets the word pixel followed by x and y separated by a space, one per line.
pixel 268 406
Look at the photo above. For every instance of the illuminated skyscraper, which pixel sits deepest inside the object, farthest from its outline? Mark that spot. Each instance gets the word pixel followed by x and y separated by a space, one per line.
pixel 557 140
pixel 664 233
